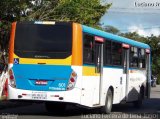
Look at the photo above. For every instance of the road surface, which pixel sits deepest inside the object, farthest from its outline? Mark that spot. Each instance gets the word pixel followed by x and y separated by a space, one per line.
pixel 150 110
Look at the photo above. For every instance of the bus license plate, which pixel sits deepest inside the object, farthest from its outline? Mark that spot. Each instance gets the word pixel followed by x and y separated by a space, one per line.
pixel 39 95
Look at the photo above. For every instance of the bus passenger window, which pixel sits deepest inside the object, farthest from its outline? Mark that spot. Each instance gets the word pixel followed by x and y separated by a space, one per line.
pixel 134 57
pixel 108 60
pixel 113 53
pixel 142 60
pixel 116 54
pixel 88 49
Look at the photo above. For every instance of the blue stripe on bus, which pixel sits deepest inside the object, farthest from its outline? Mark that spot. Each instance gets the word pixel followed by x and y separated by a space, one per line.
pixel 115 67
pixel 114 37
pixel 26 76
pixel 89 65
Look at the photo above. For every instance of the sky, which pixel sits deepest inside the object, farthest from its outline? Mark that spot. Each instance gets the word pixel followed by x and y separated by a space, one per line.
pixel 142 16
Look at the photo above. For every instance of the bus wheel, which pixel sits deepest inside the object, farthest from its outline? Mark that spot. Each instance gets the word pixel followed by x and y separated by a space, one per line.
pixel 54 107
pixel 108 103
pixel 138 103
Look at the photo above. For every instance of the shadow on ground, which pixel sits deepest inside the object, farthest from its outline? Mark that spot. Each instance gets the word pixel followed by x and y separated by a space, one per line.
pixel 151 106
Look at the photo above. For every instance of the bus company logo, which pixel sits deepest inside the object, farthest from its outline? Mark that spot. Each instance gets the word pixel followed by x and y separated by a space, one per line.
pixel 16 60
pixel 40 56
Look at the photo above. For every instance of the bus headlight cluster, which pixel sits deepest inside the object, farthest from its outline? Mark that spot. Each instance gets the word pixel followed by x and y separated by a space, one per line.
pixel 72 81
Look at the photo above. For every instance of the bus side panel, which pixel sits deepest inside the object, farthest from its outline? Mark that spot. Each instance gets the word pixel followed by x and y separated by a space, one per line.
pixel 137 78
pixel 112 77
pixel 90 86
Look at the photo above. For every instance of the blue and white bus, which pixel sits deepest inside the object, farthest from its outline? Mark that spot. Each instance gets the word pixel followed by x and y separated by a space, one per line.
pixel 60 63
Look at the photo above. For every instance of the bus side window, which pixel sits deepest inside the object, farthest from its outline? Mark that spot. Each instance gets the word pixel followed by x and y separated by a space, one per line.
pixel 108 60
pixel 113 53
pixel 134 57
pixel 116 54
pixel 88 49
pixel 142 58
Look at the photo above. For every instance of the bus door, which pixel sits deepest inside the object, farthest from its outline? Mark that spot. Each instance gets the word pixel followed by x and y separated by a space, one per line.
pixel 98 69
pixel 124 81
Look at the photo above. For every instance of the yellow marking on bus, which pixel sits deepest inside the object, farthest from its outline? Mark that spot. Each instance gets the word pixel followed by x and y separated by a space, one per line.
pixel 89 71
pixel 66 61
pixel 133 71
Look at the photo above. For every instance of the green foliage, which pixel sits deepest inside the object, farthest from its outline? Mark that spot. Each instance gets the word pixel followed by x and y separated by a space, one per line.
pixel 111 29
pixel 4 34
pixel 11 10
pixel 134 36
pixel 86 12
pixel 154 42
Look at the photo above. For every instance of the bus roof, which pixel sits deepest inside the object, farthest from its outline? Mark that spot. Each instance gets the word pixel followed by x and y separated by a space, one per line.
pixel 114 37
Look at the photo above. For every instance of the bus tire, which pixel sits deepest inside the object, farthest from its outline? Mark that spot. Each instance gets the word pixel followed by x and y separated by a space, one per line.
pixel 138 103
pixel 55 107
pixel 108 103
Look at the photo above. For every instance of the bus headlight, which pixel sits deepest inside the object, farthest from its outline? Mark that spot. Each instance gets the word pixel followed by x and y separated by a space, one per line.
pixel 11 79
pixel 72 81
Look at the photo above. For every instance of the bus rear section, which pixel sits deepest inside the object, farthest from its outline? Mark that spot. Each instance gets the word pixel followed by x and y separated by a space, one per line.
pixel 42 64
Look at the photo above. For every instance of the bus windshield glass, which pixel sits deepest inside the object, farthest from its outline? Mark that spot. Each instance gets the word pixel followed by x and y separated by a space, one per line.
pixel 43 41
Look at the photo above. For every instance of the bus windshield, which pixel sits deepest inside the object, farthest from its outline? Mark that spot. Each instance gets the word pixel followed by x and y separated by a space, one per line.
pixel 43 41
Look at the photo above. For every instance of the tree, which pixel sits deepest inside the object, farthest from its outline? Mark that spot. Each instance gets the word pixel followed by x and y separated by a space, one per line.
pixel 86 12
pixel 11 10
pixel 134 36
pixel 4 34
pixel 154 43
pixel 111 29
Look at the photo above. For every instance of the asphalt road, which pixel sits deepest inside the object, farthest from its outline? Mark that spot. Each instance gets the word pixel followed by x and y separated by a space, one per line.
pixel 150 110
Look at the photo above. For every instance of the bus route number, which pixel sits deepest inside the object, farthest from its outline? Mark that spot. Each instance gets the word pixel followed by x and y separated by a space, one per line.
pixel 61 85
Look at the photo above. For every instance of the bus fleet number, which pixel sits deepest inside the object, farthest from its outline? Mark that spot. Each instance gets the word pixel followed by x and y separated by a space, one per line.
pixel 61 85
